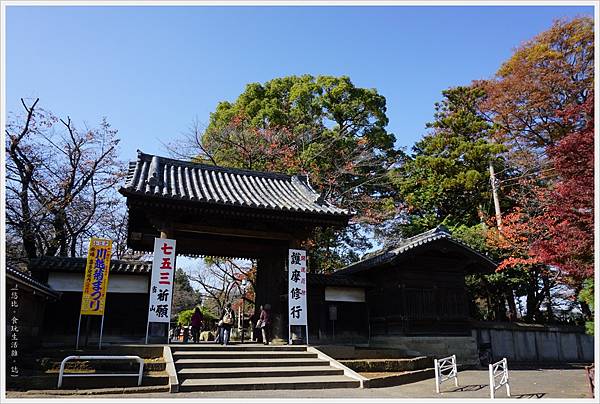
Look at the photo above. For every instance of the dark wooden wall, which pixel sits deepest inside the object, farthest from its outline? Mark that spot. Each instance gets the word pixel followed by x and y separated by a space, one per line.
pixel 125 318
pixel 423 294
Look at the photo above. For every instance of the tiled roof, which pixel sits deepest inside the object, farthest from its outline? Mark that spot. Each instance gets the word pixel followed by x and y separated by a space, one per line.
pixel 70 264
pixel 336 280
pixel 24 278
pixel 394 251
pixel 175 179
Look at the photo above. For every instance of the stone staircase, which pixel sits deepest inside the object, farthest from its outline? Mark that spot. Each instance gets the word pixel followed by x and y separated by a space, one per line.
pixel 212 367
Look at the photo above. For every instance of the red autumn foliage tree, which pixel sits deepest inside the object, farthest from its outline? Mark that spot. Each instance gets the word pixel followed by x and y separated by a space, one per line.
pixel 569 204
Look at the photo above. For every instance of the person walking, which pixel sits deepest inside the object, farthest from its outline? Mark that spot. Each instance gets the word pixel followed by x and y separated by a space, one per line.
pixel 227 321
pixel 197 320
pixel 265 323
pixel 186 334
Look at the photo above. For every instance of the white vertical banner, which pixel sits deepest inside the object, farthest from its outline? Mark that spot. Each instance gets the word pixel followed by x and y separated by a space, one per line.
pixel 297 287
pixel 161 287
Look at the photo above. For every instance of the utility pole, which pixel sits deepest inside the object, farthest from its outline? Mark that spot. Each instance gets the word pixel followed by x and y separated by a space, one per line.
pixel 495 195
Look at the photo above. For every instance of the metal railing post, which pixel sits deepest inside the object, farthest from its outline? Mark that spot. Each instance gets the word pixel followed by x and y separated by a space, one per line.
pixel 62 374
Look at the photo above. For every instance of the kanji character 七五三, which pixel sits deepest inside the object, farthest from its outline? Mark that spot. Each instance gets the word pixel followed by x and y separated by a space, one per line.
pixel 166 249
pixel 166 263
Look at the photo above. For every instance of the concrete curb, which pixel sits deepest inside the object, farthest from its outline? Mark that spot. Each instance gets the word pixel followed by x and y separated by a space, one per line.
pixel 333 363
pixel 170 368
pixel 93 392
pixel 399 379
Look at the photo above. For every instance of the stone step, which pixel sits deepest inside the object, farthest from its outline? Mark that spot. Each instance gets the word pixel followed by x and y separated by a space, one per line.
pixel 237 348
pixel 396 379
pixel 247 362
pixel 226 355
pixel 48 381
pixel 253 372
pixel 269 383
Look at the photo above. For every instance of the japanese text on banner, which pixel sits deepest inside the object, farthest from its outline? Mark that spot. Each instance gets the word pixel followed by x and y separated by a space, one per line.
pixel 297 287
pixel 161 288
pixel 95 282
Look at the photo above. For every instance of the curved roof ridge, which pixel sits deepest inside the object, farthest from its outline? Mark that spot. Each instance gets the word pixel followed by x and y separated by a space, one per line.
pixel 387 255
pixel 270 174
pixel 144 179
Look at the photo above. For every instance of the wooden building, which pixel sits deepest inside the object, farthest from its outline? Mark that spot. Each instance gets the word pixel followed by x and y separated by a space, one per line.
pixel 31 299
pixel 420 285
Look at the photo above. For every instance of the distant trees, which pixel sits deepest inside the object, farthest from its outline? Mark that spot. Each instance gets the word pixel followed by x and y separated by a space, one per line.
pixel 220 280
pixel 184 295
pixel 60 183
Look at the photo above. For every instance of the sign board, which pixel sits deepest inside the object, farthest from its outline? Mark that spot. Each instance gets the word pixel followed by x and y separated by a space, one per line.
pixel 95 281
pixel 344 294
pixel 332 313
pixel 297 287
pixel 161 287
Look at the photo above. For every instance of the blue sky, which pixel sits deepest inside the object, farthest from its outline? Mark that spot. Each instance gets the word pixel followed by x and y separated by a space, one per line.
pixel 153 70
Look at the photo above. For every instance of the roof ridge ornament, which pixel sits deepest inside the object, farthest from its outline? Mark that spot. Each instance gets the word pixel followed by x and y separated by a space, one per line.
pixel 154 178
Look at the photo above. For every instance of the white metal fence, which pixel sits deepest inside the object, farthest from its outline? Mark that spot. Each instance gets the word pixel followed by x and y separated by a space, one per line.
pixel 445 369
pixel 499 377
pixel 100 357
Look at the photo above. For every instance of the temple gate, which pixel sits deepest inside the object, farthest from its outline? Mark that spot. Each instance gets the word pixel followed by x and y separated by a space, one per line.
pixel 227 212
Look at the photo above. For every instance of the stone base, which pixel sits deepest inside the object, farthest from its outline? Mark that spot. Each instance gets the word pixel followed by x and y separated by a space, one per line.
pixel 465 348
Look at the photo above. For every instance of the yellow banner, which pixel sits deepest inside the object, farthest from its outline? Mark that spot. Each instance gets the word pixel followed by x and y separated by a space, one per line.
pixel 95 282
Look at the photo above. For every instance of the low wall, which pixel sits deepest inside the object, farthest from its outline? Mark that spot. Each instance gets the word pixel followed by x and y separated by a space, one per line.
pixel 465 348
pixel 535 343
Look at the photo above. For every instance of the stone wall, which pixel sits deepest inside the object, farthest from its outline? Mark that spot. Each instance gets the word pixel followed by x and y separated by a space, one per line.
pixel 535 343
pixel 465 348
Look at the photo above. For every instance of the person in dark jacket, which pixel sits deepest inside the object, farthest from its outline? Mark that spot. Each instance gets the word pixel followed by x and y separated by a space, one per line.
pixel 227 321
pixel 197 319
pixel 265 323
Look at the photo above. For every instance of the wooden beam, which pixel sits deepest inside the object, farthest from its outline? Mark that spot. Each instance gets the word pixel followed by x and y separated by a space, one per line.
pixel 233 232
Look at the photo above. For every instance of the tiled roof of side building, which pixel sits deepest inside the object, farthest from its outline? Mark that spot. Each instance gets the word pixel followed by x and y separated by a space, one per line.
pixel 389 254
pixel 337 280
pixel 163 177
pixel 25 279
pixel 70 264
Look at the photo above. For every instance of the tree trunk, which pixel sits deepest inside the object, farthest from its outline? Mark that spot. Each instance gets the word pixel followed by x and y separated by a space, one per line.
pixel 548 296
pixel 512 307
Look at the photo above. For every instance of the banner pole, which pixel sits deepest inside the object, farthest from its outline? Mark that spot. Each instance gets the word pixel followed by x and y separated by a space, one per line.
pixel 307 332
pixel 101 329
pixel 147 326
pixel 78 329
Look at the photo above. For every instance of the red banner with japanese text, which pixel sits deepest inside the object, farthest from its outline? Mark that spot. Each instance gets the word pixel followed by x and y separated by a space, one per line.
pixel 95 282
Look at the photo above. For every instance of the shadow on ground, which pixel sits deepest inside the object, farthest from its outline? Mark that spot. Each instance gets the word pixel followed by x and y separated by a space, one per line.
pixel 469 387
pixel 531 395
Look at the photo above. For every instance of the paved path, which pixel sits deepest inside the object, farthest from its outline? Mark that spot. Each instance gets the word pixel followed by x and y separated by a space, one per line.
pixel 544 383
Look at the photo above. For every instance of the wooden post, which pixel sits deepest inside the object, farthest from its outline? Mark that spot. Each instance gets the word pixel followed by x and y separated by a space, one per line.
pixel 495 195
